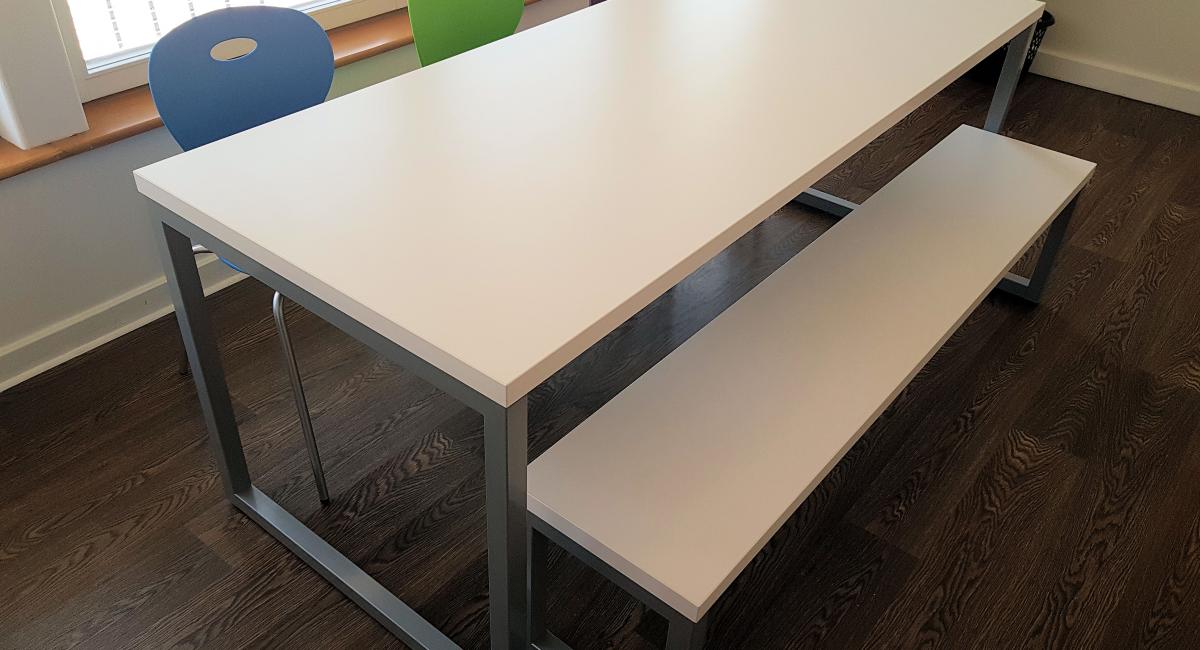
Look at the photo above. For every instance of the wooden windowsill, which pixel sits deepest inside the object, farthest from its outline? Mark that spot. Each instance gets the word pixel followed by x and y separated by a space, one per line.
pixel 132 112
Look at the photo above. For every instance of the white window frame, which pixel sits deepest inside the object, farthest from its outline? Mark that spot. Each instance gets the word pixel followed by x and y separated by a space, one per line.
pixel 129 71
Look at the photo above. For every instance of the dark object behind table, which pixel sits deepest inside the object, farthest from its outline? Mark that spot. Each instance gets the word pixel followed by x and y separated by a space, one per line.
pixel 989 69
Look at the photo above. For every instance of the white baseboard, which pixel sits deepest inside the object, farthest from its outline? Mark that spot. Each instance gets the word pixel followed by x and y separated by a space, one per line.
pixel 1117 80
pixel 94 327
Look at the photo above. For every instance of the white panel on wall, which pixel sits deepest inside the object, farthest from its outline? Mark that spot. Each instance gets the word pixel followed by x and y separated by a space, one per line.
pixel 38 99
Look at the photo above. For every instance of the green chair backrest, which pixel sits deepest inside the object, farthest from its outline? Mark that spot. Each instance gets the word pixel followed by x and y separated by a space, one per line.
pixel 443 28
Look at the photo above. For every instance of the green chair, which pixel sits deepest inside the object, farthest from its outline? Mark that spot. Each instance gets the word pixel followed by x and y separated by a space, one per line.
pixel 443 28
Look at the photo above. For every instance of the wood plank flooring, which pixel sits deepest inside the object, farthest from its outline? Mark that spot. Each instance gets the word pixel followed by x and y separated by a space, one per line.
pixel 1036 485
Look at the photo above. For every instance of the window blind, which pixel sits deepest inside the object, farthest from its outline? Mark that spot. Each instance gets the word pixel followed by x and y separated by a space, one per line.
pixel 112 31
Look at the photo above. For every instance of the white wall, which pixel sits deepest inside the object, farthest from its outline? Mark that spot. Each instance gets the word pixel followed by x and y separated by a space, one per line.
pixel 1143 49
pixel 78 261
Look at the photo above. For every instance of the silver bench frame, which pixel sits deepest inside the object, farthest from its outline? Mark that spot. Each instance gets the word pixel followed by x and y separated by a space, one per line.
pixel 682 632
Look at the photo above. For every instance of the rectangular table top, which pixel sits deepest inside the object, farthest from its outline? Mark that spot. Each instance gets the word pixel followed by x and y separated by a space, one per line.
pixel 499 212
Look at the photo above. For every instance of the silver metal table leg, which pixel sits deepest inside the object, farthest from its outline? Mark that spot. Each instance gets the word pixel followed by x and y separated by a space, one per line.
pixel 184 368
pixel 289 358
pixel 506 440
pixel 1010 75
pixel 685 634
pixel 183 281
pixel 1029 289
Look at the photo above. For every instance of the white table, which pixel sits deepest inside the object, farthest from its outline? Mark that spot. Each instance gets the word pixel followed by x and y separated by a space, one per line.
pixel 483 221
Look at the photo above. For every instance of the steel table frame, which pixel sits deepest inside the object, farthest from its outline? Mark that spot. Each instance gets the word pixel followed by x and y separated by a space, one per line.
pixel 505 450
pixel 1030 288
pixel 505 428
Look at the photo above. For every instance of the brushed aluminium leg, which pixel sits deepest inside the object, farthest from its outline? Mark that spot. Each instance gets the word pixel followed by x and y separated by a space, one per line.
pixel 685 634
pixel 505 442
pixel 184 368
pixel 505 434
pixel 539 554
pixel 539 548
pixel 1030 289
pixel 183 281
pixel 1010 74
pixel 289 358
pixel 297 388
pixel 392 613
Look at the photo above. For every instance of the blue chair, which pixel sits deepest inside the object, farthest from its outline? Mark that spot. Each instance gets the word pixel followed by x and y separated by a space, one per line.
pixel 202 99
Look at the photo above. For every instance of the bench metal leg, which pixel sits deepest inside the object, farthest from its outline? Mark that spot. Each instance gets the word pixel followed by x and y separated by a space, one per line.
pixel 685 634
pixel 1010 75
pixel 682 632
pixel 539 555
pixel 289 358
pixel 825 202
pixel 539 548
pixel 1030 289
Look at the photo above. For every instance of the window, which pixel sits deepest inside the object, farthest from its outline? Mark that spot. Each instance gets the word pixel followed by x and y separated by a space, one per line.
pixel 108 40
pixel 113 31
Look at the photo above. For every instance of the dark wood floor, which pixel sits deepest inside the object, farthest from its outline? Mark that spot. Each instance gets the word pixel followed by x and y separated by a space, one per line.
pixel 1035 486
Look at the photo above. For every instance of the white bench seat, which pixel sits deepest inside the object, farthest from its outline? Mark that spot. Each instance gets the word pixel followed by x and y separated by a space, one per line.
pixel 686 474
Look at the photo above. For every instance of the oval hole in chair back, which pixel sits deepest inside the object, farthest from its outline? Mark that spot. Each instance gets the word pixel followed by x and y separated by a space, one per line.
pixel 234 48
pixel 207 85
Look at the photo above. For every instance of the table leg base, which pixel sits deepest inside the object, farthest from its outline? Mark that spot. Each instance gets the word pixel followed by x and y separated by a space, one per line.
pixel 1018 286
pixel 391 612
pixel 825 202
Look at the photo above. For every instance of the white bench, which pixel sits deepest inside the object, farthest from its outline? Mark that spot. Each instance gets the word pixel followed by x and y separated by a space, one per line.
pixel 672 487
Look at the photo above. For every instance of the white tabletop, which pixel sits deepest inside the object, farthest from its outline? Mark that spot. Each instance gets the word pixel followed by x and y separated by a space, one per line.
pixel 499 212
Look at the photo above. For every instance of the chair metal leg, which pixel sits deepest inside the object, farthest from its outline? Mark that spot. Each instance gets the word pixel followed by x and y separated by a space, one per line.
pixel 685 634
pixel 185 368
pixel 289 356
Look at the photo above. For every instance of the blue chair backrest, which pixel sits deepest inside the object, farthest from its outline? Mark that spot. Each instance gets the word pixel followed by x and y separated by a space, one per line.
pixel 202 99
